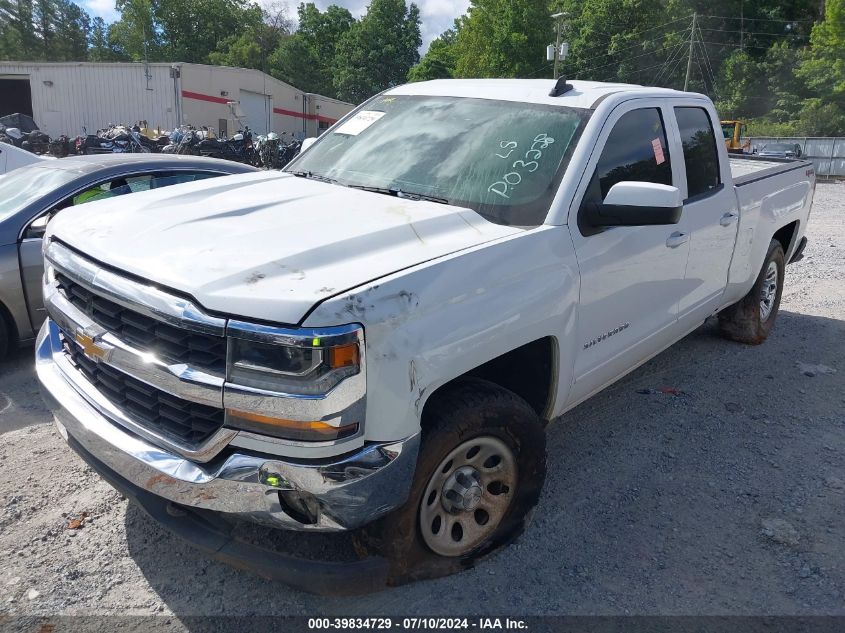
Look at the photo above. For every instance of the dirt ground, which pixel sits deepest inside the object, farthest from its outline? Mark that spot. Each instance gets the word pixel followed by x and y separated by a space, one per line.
pixel 722 495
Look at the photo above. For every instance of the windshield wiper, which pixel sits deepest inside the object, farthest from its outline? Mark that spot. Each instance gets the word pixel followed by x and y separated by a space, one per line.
pixel 405 195
pixel 312 176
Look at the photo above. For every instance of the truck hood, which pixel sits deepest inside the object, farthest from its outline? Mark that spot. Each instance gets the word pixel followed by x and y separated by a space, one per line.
pixel 267 245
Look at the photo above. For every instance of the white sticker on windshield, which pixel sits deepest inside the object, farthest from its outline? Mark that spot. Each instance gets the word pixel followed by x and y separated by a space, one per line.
pixel 360 122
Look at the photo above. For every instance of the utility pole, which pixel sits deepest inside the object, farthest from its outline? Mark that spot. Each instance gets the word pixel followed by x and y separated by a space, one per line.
pixel 691 51
pixel 741 25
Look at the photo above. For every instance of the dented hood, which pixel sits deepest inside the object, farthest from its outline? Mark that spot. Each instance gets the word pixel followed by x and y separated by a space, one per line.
pixel 267 245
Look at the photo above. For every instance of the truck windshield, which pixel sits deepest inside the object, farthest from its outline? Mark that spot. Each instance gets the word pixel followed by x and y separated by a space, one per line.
pixel 502 159
pixel 24 185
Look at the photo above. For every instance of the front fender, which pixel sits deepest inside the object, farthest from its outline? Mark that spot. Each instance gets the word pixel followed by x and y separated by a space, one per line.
pixel 427 325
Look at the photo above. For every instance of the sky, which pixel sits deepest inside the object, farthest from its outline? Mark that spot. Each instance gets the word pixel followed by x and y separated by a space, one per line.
pixel 436 15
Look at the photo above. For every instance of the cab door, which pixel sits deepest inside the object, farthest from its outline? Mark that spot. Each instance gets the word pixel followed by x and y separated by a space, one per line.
pixel 631 276
pixel 710 210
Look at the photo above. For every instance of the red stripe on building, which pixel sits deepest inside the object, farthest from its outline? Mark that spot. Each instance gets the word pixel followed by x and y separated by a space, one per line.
pixel 202 97
pixel 311 117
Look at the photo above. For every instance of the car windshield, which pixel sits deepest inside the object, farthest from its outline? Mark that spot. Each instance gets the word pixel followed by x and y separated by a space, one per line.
pixel 24 185
pixel 728 130
pixel 502 159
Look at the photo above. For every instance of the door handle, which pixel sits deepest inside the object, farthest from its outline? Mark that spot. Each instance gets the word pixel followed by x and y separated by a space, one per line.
pixel 677 239
pixel 728 219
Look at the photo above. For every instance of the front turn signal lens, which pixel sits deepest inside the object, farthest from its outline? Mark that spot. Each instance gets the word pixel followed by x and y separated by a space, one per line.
pixel 343 356
pixel 288 429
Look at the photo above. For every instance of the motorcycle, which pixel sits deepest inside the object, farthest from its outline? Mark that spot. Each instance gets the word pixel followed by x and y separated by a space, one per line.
pixel 116 139
pixel 288 152
pixel 267 148
pixel 239 148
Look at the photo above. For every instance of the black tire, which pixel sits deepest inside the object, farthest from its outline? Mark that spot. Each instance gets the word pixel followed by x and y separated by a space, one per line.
pixel 5 337
pixel 470 409
pixel 745 321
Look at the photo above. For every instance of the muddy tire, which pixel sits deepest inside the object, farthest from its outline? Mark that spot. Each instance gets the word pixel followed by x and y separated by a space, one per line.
pixel 752 318
pixel 479 475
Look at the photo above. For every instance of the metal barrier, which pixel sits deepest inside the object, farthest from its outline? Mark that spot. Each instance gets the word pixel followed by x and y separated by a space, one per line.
pixel 826 153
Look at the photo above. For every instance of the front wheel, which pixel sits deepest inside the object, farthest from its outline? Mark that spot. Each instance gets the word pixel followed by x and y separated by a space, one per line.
pixel 752 318
pixel 479 474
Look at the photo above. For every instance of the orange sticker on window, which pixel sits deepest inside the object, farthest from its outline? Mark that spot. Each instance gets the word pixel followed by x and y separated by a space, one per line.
pixel 658 151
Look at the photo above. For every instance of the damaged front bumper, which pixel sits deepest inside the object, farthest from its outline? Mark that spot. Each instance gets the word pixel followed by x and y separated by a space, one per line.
pixel 327 495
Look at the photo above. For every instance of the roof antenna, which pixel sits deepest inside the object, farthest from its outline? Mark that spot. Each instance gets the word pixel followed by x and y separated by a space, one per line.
pixel 561 87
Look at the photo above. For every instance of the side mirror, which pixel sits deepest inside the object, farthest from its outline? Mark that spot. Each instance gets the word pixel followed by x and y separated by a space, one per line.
pixel 37 228
pixel 637 204
pixel 308 143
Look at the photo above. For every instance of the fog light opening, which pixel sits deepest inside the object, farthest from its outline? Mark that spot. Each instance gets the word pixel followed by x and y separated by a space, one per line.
pixel 300 506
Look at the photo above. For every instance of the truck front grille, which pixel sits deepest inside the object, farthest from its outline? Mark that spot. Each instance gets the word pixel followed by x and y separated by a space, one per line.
pixel 152 408
pixel 172 344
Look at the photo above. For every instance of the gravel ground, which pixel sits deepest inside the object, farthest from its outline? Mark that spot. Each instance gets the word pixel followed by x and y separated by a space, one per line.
pixel 725 495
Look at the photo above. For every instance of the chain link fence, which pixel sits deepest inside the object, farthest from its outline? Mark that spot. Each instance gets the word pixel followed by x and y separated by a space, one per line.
pixel 826 153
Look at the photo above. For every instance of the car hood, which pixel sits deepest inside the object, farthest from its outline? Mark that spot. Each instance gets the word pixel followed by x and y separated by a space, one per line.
pixel 268 245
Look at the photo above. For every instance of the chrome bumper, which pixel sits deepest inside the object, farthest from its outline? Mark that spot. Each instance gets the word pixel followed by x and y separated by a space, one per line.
pixel 341 495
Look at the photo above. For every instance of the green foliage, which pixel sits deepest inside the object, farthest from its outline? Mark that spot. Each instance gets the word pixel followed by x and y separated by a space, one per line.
pixel 377 51
pixel 439 62
pixel 306 59
pixel 295 62
pixel 502 38
pixel 47 30
pixel 781 68
pixel 824 67
pixel 262 32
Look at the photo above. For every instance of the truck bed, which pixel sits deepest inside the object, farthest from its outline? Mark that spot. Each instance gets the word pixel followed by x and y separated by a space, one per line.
pixel 747 168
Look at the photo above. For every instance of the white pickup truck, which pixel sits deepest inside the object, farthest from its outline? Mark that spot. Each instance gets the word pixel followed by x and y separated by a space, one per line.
pixel 375 339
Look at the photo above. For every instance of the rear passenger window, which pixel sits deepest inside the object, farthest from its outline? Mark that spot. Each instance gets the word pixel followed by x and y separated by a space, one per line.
pixel 635 150
pixel 700 156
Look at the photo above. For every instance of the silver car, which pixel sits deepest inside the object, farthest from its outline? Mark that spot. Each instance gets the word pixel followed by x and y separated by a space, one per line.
pixel 31 195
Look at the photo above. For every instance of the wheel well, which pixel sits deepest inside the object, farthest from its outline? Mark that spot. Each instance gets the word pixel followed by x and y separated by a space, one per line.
pixel 785 234
pixel 527 371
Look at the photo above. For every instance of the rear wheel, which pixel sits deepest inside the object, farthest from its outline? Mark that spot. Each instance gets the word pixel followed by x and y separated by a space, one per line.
pixel 479 474
pixel 752 318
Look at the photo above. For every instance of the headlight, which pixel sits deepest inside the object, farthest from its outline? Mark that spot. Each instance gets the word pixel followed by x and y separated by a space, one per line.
pixel 307 363
pixel 313 370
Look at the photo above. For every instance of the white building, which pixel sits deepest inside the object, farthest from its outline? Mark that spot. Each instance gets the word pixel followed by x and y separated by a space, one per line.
pixel 65 97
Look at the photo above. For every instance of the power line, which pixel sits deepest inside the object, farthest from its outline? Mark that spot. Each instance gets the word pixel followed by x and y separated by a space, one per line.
pixel 632 46
pixel 762 48
pixel 659 26
pixel 784 35
pixel 673 61
pixel 651 52
pixel 724 17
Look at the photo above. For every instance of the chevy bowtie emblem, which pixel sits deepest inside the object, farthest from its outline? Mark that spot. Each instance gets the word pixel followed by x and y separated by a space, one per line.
pixel 92 348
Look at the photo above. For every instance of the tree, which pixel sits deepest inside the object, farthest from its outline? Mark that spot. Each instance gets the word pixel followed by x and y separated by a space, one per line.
pixel 101 48
pixel 17 33
pixel 257 40
pixel 306 59
pixel 378 51
pixel 824 66
pixel 439 62
pixel 135 36
pixel 295 62
pixel 503 38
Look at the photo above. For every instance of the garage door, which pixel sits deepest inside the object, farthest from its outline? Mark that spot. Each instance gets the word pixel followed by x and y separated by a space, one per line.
pixel 257 109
